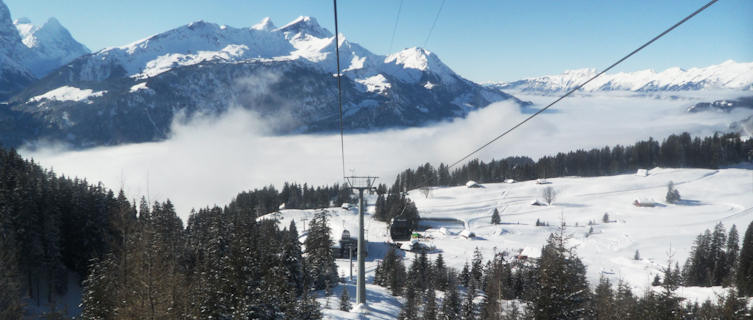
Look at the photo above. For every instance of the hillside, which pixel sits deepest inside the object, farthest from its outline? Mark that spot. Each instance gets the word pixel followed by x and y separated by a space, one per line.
pixel 711 196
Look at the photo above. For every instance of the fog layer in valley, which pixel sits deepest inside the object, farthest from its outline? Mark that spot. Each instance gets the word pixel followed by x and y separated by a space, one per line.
pixel 209 160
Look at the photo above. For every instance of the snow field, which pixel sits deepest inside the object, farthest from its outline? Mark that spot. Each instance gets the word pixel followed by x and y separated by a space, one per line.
pixel 709 197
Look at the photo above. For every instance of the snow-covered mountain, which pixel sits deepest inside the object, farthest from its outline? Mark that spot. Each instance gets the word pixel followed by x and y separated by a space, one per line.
pixel 28 52
pixel 14 75
pixel 285 73
pixel 727 75
pixel 52 44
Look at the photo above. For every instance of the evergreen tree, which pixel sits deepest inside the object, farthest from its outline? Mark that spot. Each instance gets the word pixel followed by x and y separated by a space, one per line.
pixel 440 273
pixel 603 300
pixel 465 275
pixel 320 259
pixel 563 290
pixel 451 307
pixel 430 304
pixel 719 268
pixel 468 311
pixel 625 303
pixel 495 217
pixel 732 252
pixel 96 300
pixel 745 264
pixel 293 259
pixel 345 300
pixel 409 310
pixel 10 282
pixel 476 266
pixel 673 196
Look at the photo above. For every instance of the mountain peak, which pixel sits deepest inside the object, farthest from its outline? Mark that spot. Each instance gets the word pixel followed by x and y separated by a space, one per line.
pixel 264 25
pixel 414 58
pixel 51 43
pixel 22 20
pixel 305 25
pixel 53 23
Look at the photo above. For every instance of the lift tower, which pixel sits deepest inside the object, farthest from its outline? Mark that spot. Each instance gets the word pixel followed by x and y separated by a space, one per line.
pixel 361 184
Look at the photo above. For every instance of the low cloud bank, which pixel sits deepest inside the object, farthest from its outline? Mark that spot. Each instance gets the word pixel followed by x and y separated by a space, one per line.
pixel 209 160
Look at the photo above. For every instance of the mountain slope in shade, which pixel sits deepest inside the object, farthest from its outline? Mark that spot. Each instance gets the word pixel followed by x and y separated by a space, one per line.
pixel 52 44
pixel 727 75
pixel 286 74
pixel 14 75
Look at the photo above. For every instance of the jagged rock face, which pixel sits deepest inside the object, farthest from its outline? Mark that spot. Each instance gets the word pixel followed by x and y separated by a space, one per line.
pixel 287 74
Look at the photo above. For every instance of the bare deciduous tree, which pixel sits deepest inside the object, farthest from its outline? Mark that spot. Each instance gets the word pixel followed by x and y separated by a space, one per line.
pixel 549 195
pixel 426 191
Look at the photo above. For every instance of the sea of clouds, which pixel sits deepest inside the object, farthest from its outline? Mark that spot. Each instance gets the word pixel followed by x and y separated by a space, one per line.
pixel 208 160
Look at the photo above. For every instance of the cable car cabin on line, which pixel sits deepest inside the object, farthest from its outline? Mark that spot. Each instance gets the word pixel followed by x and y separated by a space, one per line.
pixel 400 229
pixel 342 249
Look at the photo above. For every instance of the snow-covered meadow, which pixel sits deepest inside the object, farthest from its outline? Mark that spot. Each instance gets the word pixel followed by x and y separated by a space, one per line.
pixel 659 233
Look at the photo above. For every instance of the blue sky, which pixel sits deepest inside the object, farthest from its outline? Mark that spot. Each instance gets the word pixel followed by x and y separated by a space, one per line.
pixel 481 40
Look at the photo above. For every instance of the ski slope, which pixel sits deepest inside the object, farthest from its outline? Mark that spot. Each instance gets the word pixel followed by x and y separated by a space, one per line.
pixel 663 232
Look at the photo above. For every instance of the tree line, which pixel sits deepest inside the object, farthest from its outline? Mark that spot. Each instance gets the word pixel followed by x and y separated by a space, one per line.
pixel 676 151
pixel 225 264
pixel 141 262
pixel 49 226
pixel 293 196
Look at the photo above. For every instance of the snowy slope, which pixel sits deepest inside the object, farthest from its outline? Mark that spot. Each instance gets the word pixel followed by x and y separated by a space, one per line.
pixel 727 75
pixel 711 196
pixel 284 74
pixel 52 44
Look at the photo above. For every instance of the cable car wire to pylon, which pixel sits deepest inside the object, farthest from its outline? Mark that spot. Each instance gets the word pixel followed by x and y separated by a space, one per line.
pixel 339 90
pixel 394 28
pixel 434 24
pixel 584 83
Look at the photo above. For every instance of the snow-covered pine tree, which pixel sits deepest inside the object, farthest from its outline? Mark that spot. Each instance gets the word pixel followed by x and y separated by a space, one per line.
pixel 563 291
pixel 345 300
pixel 745 264
pixel 440 273
pixel 732 253
pixel 409 310
pixel 603 300
pixel 468 309
pixel 451 306
pixel 97 300
pixel 495 217
pixel 293 259
pixel 320 259
pixel 430 303
pixel 465 275
pixel 477 266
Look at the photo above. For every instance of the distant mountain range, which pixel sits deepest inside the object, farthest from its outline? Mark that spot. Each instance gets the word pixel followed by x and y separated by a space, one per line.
pixel 288 74
pixel 56 90
pixel 727 75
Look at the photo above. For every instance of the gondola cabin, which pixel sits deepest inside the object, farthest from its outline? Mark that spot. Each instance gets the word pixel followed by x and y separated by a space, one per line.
pixel 342 250
pixel 400 229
